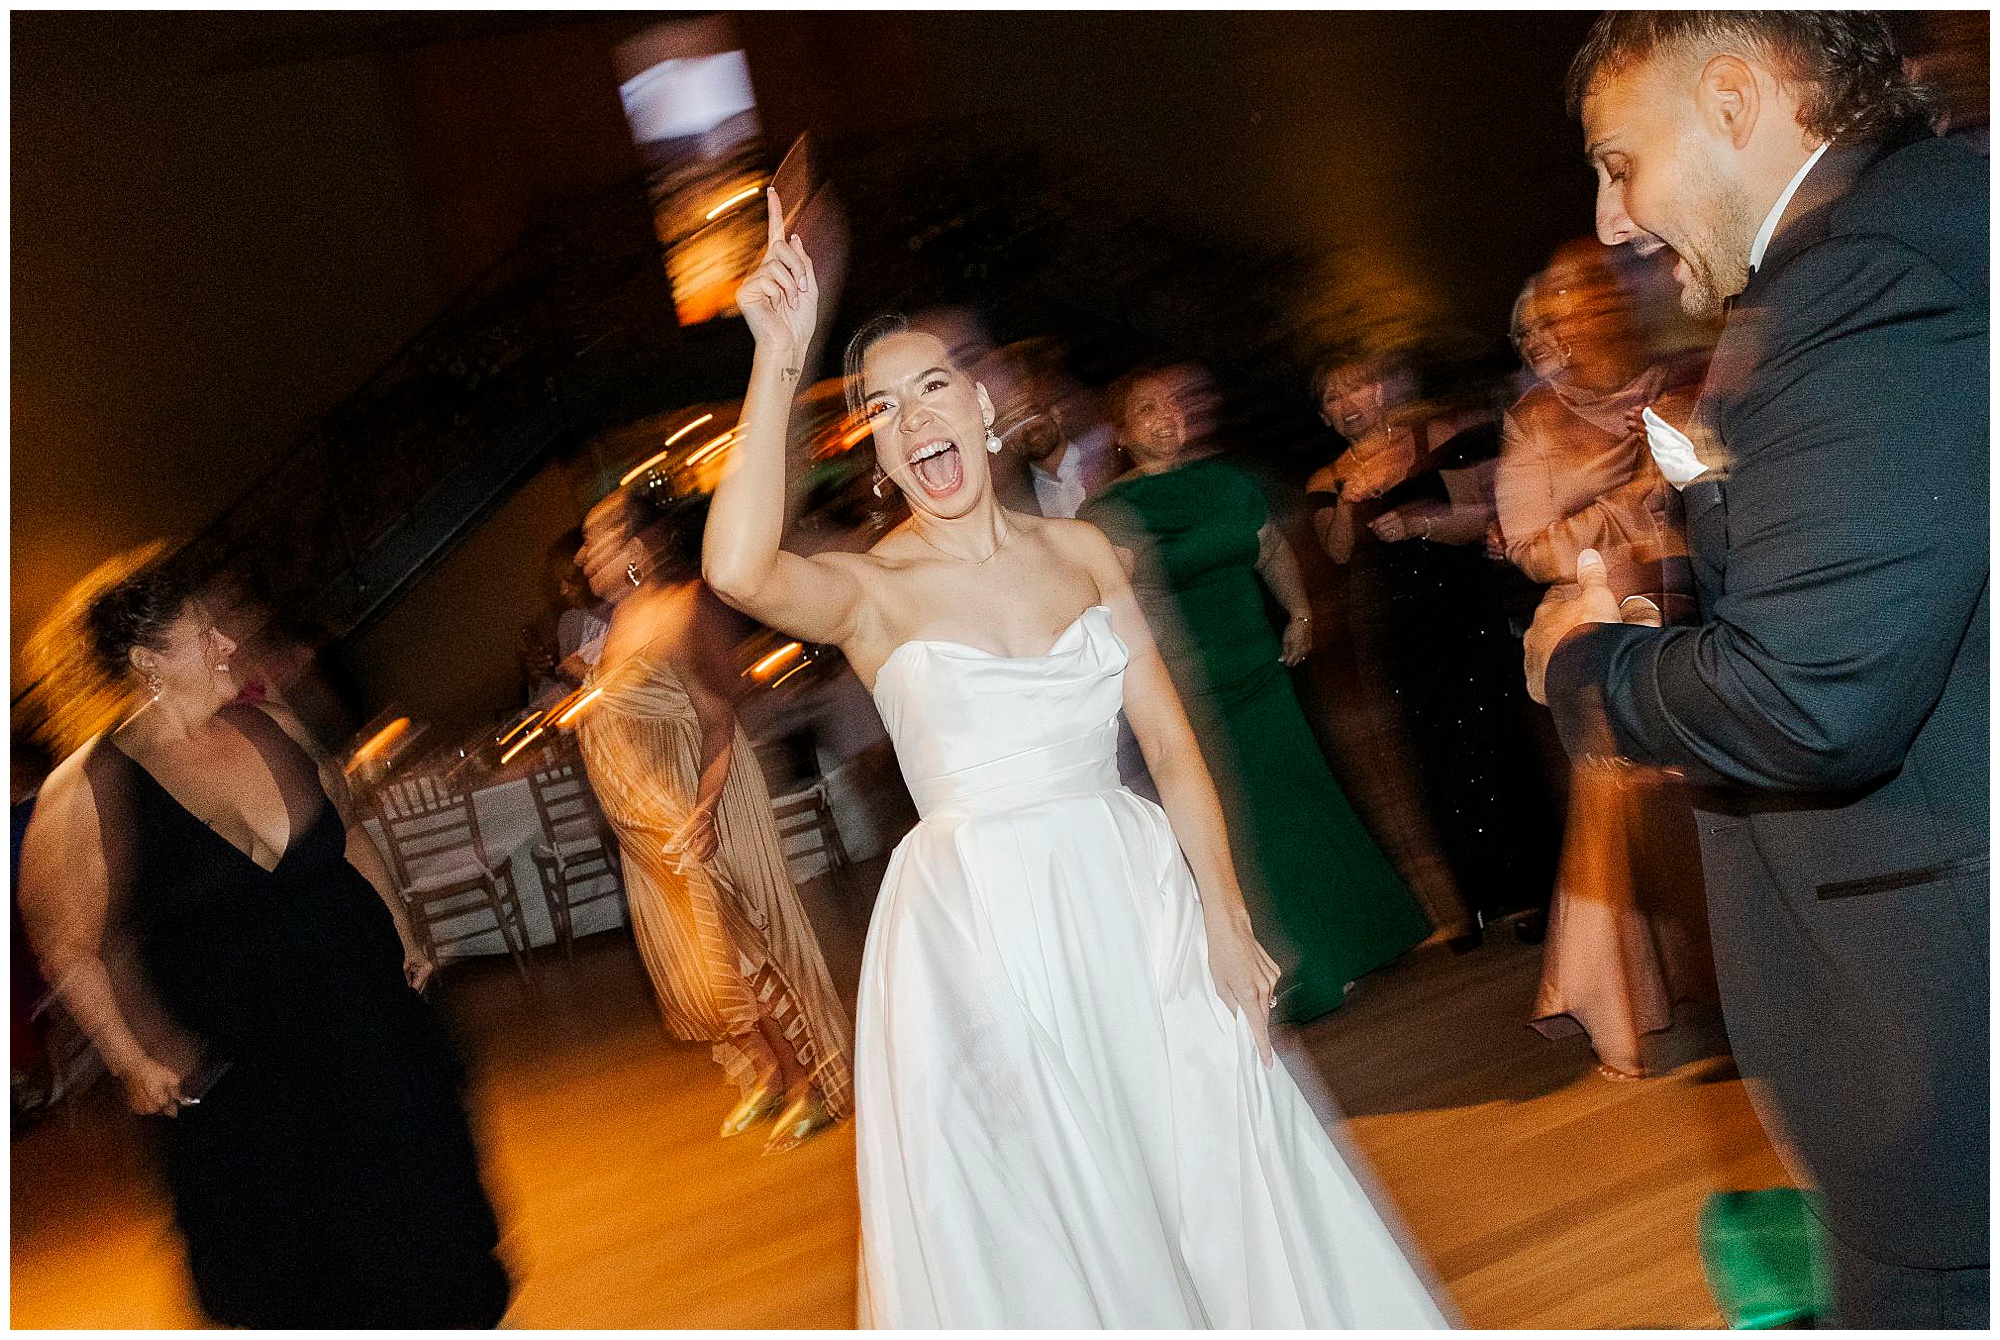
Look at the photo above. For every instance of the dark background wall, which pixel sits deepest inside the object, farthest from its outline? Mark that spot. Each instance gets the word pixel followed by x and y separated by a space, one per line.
pixel 224 222
pixel 1423 158
pixel 200 265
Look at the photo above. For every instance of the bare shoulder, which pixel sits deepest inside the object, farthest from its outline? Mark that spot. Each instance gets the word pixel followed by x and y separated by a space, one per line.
pixel 66 803
pixel 1079 538
pixel 1083 544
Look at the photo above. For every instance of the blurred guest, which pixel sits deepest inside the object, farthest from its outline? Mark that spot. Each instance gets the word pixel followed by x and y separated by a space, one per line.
pixel 277 658
pixel 1406 509
pixel 1574 472
pixel 1046 422
pixel 1832 701
pixel 1199 397
pixel 212 916
pixel 585 620
pixel 1950 50
pixel 730 951
pixel 540 675
pixel 1627 935
pixel 1320 889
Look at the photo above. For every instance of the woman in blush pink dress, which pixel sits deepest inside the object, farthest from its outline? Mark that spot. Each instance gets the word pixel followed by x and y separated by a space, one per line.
pixel 1627 935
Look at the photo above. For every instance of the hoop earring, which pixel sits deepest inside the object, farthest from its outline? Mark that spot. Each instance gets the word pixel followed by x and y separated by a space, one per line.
pixel 992 441
pixel 632 573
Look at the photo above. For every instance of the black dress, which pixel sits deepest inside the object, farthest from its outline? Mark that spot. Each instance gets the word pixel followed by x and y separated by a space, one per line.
pixel 328 1178
pixel 1431 618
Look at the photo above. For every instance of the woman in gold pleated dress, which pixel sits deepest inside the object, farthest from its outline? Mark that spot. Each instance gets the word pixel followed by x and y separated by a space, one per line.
pixel 731 953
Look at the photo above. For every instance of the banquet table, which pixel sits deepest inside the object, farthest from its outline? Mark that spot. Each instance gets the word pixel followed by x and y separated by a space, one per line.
pixel 509 828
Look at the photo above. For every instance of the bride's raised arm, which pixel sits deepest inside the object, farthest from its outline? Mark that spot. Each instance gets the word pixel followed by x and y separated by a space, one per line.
pixel 813 599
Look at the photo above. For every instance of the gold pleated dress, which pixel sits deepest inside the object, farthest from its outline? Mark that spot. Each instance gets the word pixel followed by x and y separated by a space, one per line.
pixel 726 942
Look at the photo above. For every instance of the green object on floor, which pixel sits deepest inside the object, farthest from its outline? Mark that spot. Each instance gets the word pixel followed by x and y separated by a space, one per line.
pixel 1762 1255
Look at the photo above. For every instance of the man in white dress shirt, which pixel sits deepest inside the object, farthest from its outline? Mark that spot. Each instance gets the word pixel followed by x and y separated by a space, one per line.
pixel 1057 467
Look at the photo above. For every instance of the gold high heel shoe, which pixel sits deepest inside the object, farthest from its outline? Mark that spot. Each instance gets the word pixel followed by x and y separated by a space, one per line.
pixel 761 1102
pixel 805 1117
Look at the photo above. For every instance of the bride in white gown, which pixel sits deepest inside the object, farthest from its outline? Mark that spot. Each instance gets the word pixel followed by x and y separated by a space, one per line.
pixel 1067 1109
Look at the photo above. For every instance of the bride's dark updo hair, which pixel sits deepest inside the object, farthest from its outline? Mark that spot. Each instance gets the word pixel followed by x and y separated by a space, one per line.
pixel 879 328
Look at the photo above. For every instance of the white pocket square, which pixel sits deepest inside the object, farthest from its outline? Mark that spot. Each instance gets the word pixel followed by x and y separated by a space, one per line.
pixel 1672 451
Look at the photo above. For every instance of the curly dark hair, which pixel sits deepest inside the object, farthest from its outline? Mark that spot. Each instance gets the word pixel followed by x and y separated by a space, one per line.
pixel 135 612
pixel 1844 63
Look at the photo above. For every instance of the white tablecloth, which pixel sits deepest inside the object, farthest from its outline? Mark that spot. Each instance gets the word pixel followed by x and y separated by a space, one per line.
pixel 509 828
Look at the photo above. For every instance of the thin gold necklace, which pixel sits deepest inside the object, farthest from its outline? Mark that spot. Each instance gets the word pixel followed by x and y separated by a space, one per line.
pixel 959 558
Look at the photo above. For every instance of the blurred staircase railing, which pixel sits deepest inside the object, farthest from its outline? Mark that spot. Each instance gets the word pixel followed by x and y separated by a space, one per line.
pixel 570 333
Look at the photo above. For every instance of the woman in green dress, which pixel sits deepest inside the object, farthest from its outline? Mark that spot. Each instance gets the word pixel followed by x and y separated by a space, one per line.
pixel 1321 894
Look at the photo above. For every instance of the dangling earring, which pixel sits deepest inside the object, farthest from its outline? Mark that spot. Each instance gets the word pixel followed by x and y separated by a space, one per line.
pixel 880 479
pixel 632 573
pixel 154 685
pixel 992 440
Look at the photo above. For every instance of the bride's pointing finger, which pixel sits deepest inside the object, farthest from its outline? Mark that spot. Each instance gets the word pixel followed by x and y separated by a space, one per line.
pixel 774 218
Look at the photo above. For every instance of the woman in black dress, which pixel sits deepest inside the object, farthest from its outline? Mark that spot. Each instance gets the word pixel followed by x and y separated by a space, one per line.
pixel 227 936
pixel 1406 511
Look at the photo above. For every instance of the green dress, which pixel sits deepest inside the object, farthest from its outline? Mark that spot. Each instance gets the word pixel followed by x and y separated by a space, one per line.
pixel 1322 897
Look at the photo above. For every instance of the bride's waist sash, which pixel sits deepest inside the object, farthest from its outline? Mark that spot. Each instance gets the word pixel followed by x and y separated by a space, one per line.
pixel 1074 767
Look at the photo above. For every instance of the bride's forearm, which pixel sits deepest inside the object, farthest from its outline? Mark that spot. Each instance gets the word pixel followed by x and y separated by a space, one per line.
pixel 1194 810
pixel 746 520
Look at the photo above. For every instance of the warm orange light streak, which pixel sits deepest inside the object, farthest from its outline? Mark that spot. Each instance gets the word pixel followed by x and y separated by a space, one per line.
pixel 855 434
pixel 789 673
pixel 525 723
pixel 709 448
pixel 526 740
pixel 657 457
pixel 569 713
pixel 771 662
pixel 382 739
pixel 731 203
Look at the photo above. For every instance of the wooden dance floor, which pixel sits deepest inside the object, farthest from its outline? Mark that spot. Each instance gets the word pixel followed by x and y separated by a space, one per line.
pixel 1541 1194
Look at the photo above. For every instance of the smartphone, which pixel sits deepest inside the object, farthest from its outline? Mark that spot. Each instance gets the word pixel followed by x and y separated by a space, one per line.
pixel 797 182
pixel 813 212
pixel 196 1086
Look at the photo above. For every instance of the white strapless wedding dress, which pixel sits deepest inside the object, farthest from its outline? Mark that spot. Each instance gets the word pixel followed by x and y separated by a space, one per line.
pixel 1059 1122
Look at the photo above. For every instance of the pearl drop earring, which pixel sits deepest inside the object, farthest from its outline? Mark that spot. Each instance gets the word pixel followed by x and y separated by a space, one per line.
pixel 992 440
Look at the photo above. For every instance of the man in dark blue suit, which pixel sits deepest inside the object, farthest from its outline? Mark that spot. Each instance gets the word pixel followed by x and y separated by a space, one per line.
pixel 1830 706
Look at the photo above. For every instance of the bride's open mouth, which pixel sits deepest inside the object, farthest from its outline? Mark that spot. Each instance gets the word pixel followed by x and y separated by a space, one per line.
pixel 938 467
